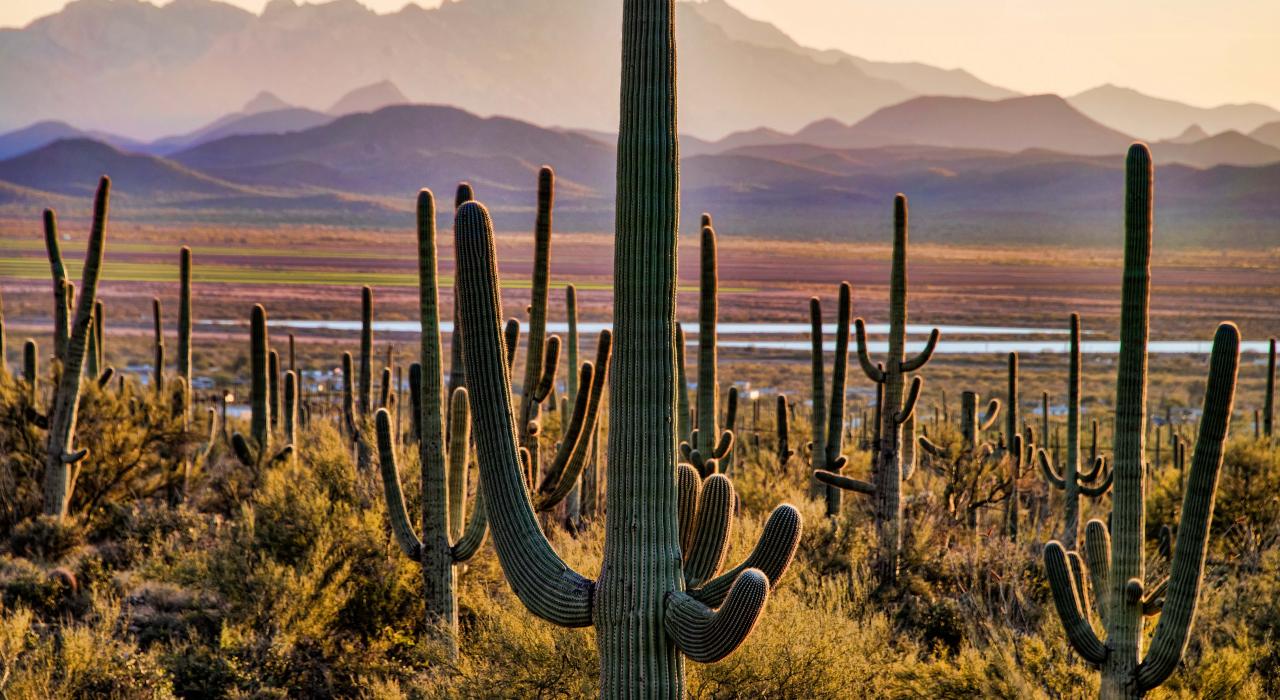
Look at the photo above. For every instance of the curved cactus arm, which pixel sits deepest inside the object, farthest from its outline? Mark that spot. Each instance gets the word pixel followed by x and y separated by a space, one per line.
pixel 1070 611
pixel 869 368
pixel 1098 464
pixel 711 531
pixel 1099 489
pixel 1077 577
pixel 1153 601
pixel 1051 475
pixel 706 635
pixel 1097 555
pixel 731 409
pixel 990 415
pixel 844 482
pixel 558 480
pixel 909 405
pixel 772 555
pixel 474 535
pixel 689 485
pixel 244 452
pixel 919 361
pixel 547 586
pixel 401 525
pixel 931 447
pixel 550 363
pixel 283 455
pixel 1169 641
pixel 511 336
pixel 105 377
pixel 723 445
pixel 575 460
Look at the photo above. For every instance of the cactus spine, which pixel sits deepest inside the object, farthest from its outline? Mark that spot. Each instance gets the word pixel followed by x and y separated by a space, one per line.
pixel 443 486
pixel 60 457
pixel 828 426
pixel 890 468
pixel 1115 559
pixel 1070 479
pixel 642 606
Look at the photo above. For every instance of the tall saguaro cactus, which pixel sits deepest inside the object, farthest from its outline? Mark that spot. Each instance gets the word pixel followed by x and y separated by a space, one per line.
pixel 655 600
pixel 707 444
pixel 61 317
pixel 1115 559
pixel 827 451
pixel 897 409
pixel 60 458
pixel 255 451
pixel 1269 407
pixel 1071 479
pixel 444 486
pixel 542 356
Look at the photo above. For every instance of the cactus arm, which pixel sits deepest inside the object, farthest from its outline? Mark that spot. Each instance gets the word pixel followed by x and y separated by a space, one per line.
pixel 550 363
pixel 1098 464
pixel 576 460
pixel 931 447
pixel 723 445
pixel 1051 475
pixel 62 322
pixel 511 335
pixel 1097 554
pixel 1077 577
pixel 869 368
pixel 247 455
pixel 474 534
pixel 909 405
pixel 1169 641
pixel 689 484
pixel 401 525
pixel 989 416
pixel 1070 611
pixel 711 530
pixel 1153 601
pixel 559 478
pixel 1099 489
pixel 541 580
pixel 844 482
pixel 925 355
pixel 772 555
pixel 707 635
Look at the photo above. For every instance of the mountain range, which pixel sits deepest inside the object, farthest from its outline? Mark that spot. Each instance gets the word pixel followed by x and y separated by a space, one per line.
pixel 364 168
pixel 151 72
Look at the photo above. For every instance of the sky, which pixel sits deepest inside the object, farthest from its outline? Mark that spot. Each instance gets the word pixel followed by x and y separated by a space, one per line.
pixel 1200 52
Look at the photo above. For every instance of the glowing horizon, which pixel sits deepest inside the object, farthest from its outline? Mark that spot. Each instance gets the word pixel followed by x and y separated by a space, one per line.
pixel 1204 54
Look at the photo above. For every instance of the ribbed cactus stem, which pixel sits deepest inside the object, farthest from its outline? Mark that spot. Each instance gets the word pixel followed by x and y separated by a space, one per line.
pixel 364 397
pixel 351 425
pixel 99 334
pixel 157 362
pixel 708 403
pixel 61 320
pixel 260 408
pixel 538 295
pixel 818 397
pixel 273 388
pixel 60 458
pixel 184 320
pixel 290 420
pixel 1012 410
pixel 784 432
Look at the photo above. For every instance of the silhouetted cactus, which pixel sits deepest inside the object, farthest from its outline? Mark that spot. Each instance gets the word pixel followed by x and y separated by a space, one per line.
pixel 656 598
pixel 1069 478
pixel 255 450
pixel 1116 563
pixel 184 319
pixel 62 462
pixel 1269 405
pixel 826 450
pixel 784 433
pixel 891 469
pixel 58 270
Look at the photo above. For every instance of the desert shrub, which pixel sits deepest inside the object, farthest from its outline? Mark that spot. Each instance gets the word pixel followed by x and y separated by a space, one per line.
pixel 46 538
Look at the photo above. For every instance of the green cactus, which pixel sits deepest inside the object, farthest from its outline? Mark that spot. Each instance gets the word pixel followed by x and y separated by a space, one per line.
pixel 62 463
pixel 1269 405
pixel 1115 559
pixel 891 467
pixel 784 433
pixel 968 477
pixel 255 451
pixel 157 347
pixel 1012 422
pixel 273 388
pixel 365 395
pixel 457 372
pixel 31 368
pixel 1070 478
pixel 61 311
pixel 572 502
pixel 443 486
pixel 542 355
pixel 706 444
pixel 684 412
pixel 351 426
pixel 826 450
pixel 655 600
pixel 289 420
pixel 184 318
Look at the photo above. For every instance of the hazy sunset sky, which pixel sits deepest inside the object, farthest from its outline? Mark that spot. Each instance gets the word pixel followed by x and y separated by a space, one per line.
pixel 1199 52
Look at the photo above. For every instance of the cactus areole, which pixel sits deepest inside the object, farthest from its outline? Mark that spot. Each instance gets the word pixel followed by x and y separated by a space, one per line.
pixel 654 602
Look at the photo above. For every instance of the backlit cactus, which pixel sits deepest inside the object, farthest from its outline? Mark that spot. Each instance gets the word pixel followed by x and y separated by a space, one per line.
pixel 646 616
pixel 707 444
pixel 542 356
pixel 784 433
pixel 1115 559
pixel 891 468
pixel 1069 477
pixel 255 450
pixel 826 451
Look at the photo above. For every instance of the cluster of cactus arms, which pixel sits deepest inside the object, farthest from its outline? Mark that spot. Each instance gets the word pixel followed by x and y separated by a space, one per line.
pixel 444 485
pixel 543 354
pixel 968 481
pixel 71 344
pixel 1070 478
pixel 891 467
pixel 659 598
pixel 255 451
pixel 826 451
pixel 784 433
pixel 1114 561
pixel 1269 405
pixel 573 502
pixel 706 445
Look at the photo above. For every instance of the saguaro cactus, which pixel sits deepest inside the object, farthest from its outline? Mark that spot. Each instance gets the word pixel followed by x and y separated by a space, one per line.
pixel 255 450
pixel 1269 406
pixel 157 347
pixel 61 316
pixel 542 356
pixel 60 457
pixel 827 451
pixel 1116 564
pixel 184 320
pixel 655 598
pixel 784 433
pixel 1070 479
pixel 707 444
pixel 890 468
pixel 968 477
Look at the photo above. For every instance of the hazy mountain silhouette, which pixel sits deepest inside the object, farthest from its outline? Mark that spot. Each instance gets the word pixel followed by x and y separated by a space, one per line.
pixel 153 71
pixel 369 98
pixel 242 123
pixel 1154 118
pixel 1191 134
pixel 1268 134
pixel 1226 148
pixel 44 133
